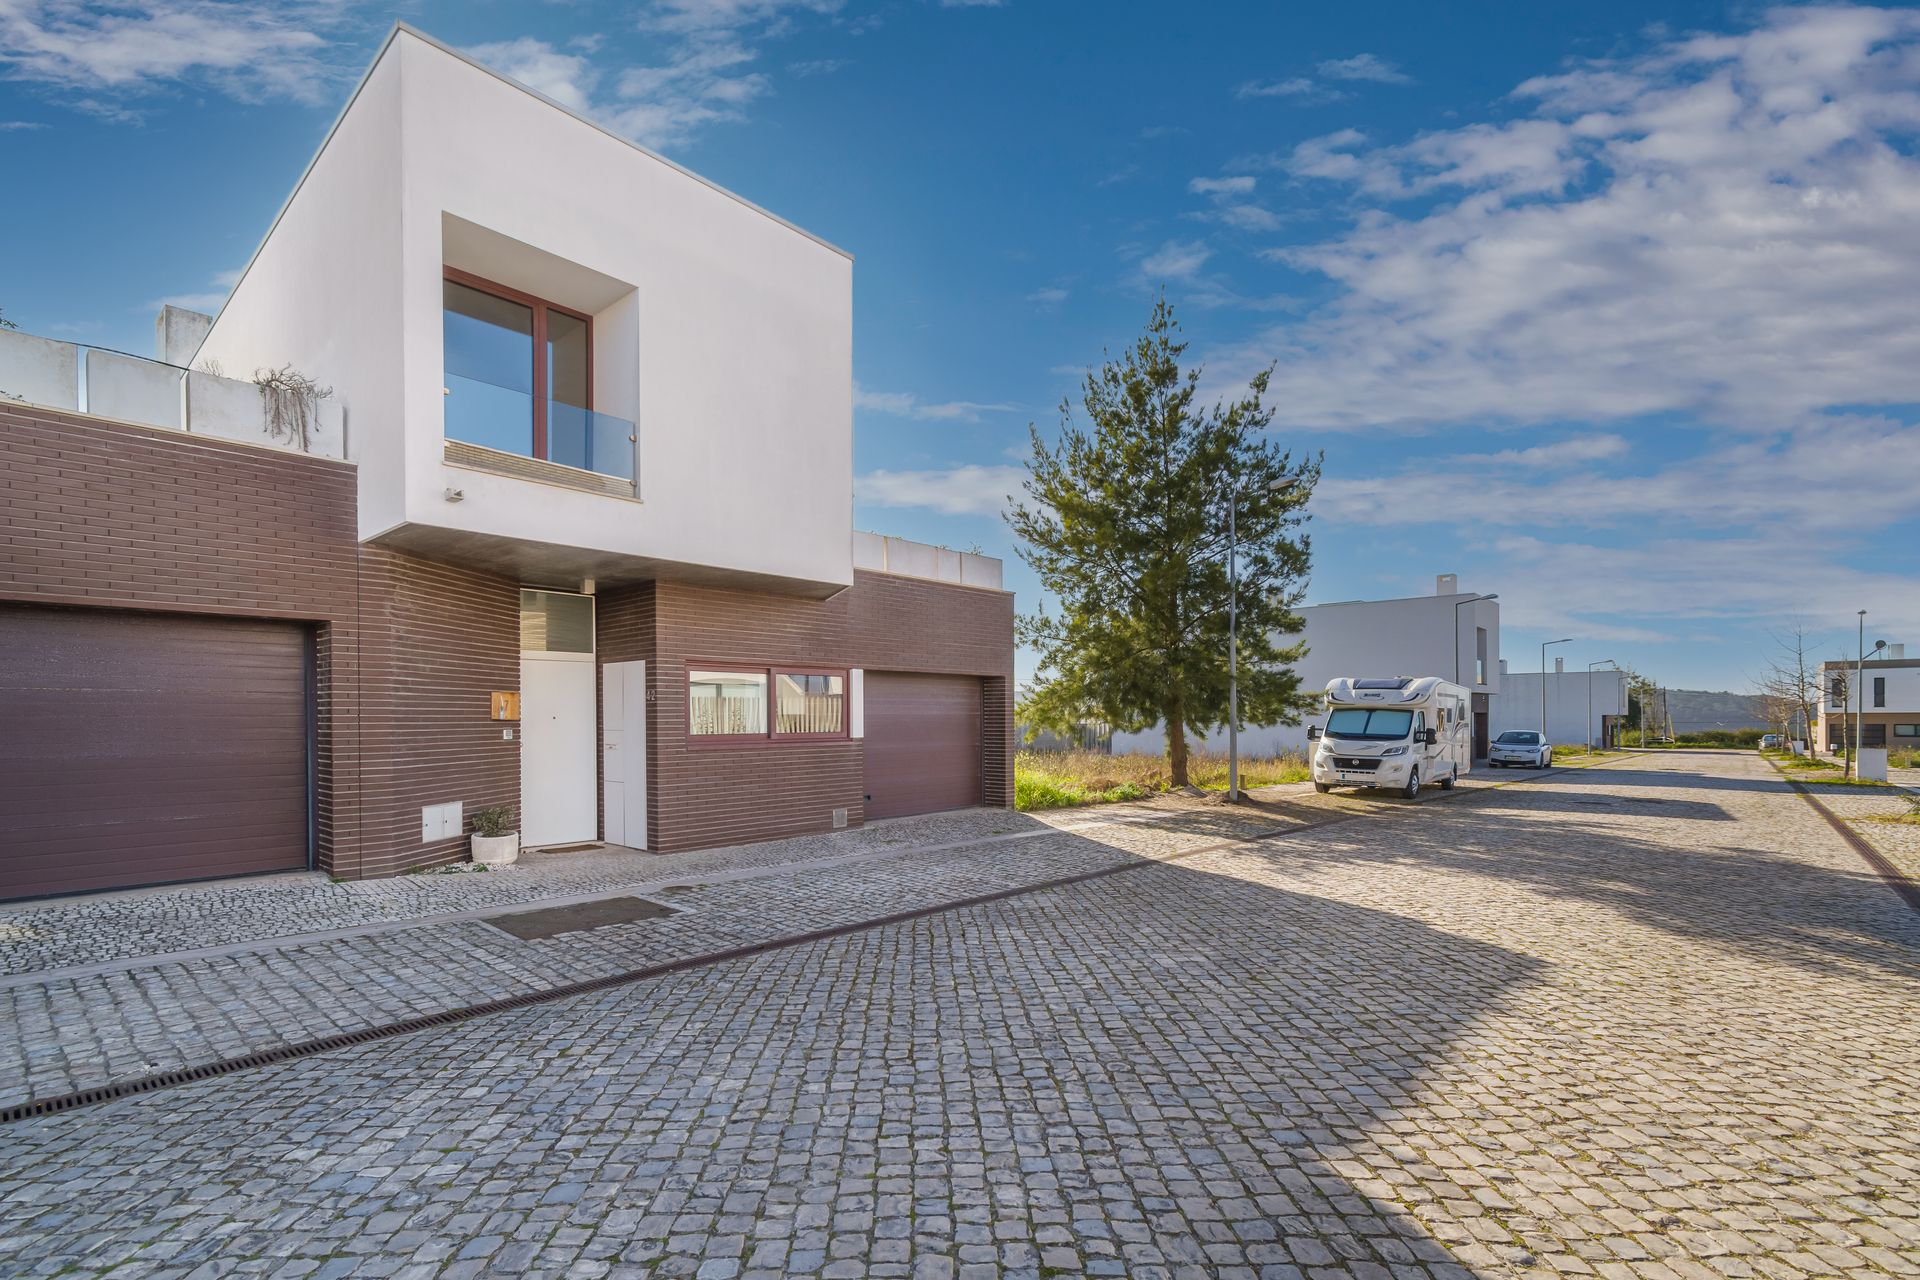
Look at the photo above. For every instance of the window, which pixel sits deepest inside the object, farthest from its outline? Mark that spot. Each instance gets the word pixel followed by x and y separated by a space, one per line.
pixel 727 704
pixel 555 622
pixel 809 704
pixel 1906 731
pixel 1873 735
pixel 1479 655
pixel 1879 691
pixel 1367 723
pixel 733 703
pixel 519 372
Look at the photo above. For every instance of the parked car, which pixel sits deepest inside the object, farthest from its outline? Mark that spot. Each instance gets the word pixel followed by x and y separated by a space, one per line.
pixel 1520 747
pixel 1770 742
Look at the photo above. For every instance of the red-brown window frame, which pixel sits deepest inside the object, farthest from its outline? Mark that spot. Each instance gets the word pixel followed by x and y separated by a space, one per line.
pixel 771 672
pixel 540 306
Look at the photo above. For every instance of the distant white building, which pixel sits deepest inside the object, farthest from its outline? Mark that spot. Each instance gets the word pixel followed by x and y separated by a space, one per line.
pixel 1582 706
pixel 1450 633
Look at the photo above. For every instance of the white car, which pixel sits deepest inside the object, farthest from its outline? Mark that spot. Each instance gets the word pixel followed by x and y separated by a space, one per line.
pixel 1520 748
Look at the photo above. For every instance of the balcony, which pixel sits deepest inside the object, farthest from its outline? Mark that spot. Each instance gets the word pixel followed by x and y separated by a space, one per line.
pixel 500 428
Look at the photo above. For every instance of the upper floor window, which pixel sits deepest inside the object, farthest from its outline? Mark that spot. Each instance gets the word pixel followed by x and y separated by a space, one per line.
pixel 519 378
pixel 1879 691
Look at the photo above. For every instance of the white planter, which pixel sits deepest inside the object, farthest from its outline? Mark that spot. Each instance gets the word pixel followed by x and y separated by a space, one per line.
pixel 496 851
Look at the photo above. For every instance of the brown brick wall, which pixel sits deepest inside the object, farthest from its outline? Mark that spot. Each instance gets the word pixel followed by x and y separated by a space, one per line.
pixel 701 794
pixel 436 641
pixel 407 651
pixel 99 513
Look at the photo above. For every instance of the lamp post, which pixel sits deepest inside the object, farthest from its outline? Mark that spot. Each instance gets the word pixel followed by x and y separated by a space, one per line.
pixel 1233 632
pixel 1543 686
pixel 1859 669
pixel 1604 662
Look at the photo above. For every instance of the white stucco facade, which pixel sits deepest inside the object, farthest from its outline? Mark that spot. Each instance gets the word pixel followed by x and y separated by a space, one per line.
pixel 722 332
pixel 1451 634
pixel 1571 718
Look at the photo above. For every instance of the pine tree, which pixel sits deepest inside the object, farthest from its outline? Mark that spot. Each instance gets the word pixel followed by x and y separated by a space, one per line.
pixel 1126 524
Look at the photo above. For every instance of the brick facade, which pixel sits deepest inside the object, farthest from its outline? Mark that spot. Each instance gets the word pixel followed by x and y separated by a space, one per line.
pixel 702 794
pixel 407 651
pixel 103 514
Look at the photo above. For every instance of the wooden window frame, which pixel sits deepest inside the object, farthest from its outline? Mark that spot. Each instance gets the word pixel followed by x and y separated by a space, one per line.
pixel 846 703
pixel 729 668
pixel 540 307
pixel 767 734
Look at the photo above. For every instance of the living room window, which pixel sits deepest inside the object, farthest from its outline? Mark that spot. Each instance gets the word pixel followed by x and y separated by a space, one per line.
pixel 727 704
pixel 519 378
pixel 733 702
pixel 809 704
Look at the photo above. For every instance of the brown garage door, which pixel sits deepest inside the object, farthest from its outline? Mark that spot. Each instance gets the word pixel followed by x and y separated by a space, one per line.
pixel 923 743
pixel 140 748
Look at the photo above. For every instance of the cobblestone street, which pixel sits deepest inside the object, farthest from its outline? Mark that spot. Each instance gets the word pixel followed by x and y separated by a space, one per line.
pixel 1654 1020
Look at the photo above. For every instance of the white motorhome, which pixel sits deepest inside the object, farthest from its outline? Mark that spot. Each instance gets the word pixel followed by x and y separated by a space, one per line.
pixel 1400 732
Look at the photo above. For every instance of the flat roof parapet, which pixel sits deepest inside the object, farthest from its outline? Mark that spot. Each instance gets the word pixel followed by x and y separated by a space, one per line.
pixel 878 553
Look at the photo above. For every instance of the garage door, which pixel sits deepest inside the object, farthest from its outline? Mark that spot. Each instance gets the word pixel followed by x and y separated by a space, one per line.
pixel 142 748
pixel 923 743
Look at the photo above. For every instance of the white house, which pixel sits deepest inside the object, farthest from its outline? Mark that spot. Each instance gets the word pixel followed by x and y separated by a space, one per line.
pixel 1581 705
pixel 1450 633
pixel 571 532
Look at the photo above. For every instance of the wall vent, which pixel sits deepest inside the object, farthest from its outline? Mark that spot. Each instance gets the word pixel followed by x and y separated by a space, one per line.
pixel 839 819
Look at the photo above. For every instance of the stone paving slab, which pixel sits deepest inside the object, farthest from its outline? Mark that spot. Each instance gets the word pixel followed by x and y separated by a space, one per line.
pixel 1638 1024
pixel 66 1030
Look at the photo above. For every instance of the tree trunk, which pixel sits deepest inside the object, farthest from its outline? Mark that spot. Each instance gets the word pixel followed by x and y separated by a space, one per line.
pixel 1176 718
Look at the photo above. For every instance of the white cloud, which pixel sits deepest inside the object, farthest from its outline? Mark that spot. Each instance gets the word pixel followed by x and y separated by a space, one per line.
pixel 1049 297
pixel 1237 185
pixel 904 404
pixel 1364 66
pixel 1720 226
pixel 105 54
pixel 1175 260
pixel 20 126
pixel 970 490
pixel 702 82
pixel 818 67
pixel 1293 87
pixel 1826 479
pixel 1602 592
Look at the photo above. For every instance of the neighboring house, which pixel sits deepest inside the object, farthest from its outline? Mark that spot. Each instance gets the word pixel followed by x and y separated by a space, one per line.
pixel 1582 705
pixel 1887 702
pixel 1451 633
pixel 588 450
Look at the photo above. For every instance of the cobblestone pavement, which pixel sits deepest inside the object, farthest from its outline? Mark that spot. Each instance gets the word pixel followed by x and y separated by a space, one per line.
pixel 72 1028
pixel 1642 1022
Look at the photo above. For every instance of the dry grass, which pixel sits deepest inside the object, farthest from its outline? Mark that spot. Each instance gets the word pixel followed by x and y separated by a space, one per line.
pixel 1058 779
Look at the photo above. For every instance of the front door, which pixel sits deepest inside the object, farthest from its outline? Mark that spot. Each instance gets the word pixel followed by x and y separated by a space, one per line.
pixel 557 766
pixel 623 752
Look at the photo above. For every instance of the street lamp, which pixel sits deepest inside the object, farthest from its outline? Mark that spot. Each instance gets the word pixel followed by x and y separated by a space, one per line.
pixel 1233 632
pixel 1604 662
pixel 1860 695
pixel 1543 686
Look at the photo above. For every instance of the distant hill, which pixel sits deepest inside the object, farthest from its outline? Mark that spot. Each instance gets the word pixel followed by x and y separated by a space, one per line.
pixel 1698 709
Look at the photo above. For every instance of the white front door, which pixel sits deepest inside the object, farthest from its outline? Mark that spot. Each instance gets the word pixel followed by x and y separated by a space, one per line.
pixel 623 752
pixel 556 749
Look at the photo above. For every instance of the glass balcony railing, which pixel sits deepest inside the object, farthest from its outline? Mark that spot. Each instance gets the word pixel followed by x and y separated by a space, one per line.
pixel 500 417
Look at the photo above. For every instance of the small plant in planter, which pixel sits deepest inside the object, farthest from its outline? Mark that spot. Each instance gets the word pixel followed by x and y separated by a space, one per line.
pixel 495 842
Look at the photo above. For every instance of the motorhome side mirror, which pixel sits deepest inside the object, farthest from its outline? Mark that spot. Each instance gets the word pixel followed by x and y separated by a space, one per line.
pixel 1429 736
pixel 1313 733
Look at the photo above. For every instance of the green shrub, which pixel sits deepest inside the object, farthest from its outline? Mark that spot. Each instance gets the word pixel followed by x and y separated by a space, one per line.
pixel 1038 791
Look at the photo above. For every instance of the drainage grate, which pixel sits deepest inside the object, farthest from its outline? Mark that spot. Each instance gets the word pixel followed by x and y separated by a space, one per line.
pixel 576 917
pixel 426 1022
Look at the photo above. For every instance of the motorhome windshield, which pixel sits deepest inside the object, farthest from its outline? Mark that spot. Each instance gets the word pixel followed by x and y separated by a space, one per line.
pixel 1369 722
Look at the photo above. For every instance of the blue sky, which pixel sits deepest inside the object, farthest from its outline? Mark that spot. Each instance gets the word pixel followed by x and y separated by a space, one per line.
pixel 1607 308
